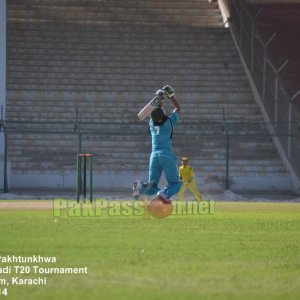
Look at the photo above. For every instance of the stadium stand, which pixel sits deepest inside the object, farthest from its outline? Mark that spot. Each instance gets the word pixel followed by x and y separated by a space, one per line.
pixel 96 63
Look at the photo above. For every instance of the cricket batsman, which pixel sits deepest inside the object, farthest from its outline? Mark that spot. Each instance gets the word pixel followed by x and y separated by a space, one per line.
pixel 162 158
pixel 187 175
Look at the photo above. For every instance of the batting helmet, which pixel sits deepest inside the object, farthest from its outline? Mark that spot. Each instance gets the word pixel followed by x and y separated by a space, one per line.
pixel 158 116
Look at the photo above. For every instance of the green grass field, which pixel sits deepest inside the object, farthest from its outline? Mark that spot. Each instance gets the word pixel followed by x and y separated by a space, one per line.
pixel 241 251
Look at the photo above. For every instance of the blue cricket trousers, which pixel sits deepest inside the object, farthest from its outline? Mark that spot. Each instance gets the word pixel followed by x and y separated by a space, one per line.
pixel 164 161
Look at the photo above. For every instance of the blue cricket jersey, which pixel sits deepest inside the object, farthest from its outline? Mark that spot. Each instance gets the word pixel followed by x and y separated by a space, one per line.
pixel 161 134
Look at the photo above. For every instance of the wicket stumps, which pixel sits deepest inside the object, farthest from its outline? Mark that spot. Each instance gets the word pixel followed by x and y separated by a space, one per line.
pixel 79 187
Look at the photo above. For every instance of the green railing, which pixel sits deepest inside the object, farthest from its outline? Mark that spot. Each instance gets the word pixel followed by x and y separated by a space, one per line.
pixel 225 133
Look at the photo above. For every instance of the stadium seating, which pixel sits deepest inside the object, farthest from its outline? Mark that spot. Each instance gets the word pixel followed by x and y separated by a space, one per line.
pixel 99 62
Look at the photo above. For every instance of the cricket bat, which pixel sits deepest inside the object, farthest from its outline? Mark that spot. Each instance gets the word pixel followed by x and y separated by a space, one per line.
pixel 148 108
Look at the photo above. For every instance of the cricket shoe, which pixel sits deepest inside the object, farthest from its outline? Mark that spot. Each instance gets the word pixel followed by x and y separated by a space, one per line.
pixel 142 188
pixel 163 198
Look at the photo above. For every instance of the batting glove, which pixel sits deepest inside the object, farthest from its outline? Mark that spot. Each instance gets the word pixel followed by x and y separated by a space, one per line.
pixel 160 94
pixel 169 91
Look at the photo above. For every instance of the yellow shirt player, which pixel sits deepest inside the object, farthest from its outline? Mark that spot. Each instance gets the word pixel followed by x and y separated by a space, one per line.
pixel 186 174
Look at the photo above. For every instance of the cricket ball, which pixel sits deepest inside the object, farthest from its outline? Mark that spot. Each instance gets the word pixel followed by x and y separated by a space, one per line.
pixel 158 209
